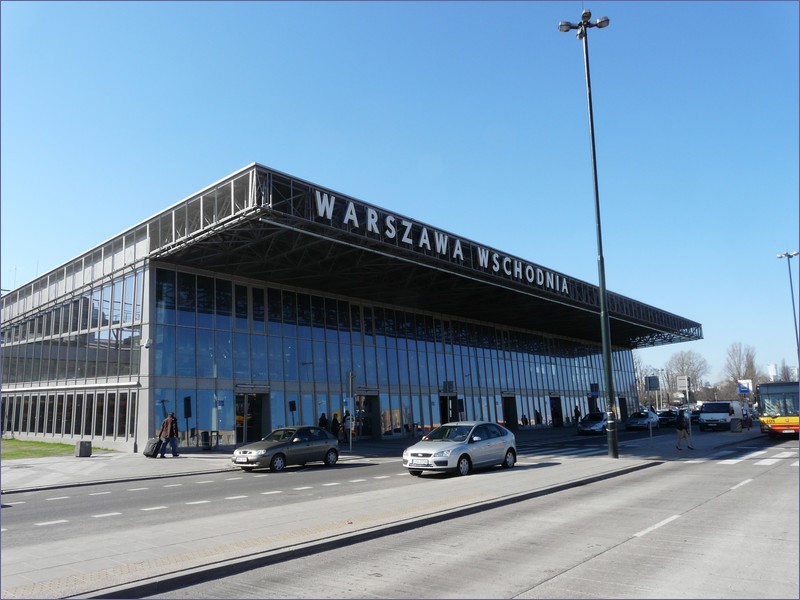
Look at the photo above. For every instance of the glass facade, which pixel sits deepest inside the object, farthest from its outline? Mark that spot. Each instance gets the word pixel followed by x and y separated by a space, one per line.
pixel 220 342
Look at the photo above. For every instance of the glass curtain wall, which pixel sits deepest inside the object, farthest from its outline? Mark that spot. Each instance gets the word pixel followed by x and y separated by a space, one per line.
pixel 218 336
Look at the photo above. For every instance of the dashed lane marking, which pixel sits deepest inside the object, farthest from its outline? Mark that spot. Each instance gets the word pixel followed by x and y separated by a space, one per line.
pixel 235 497
pixel 99 493
pixel 199 502
pixel 154 508
pixel 114 514
pixel 45 523
pixel 57 498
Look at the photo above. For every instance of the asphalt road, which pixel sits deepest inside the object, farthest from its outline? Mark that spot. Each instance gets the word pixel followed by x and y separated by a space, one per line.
pixel 726 527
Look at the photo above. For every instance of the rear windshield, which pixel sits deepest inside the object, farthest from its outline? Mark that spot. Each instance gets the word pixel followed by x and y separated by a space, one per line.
pixel 639 415
pixel 594 417
pixel 715 407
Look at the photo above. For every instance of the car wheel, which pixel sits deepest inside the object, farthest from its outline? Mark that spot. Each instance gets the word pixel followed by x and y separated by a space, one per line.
pixel 464 465
pixel 415 473
pixel 509 460
pixel 277 463
pixel 331 456
pixel 247 469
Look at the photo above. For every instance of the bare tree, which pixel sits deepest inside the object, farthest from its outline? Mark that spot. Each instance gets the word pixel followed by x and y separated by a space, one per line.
pixel 785 374
pixel 688 363
pixel 741 364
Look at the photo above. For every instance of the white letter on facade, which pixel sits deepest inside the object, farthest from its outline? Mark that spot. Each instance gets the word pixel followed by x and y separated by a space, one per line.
pixel 325 205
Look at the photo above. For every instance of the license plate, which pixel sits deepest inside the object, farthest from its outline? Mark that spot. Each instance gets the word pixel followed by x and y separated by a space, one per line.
pixel 420 462
pixel 241 459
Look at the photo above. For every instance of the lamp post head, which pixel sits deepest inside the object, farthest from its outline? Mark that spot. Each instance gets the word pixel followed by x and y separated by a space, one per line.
pixel 586 15
pixel 565 26
pixel 602 22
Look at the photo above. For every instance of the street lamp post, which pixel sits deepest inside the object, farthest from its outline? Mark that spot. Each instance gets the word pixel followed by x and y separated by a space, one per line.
pixel 605 327
pixel 789 256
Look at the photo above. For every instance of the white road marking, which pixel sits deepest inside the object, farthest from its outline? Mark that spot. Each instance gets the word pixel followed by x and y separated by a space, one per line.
pixel 746 481
pixel 235 497
pixel 51 522
pixel 13 503
pixel 330 484
pixel 99 493
pixel 268 493
pixel 206 481
pixel 785 454
pixel 153 508
pixel 767 462
pixel 232 478
pixel 199 502
pixel 173 485
pixel 356 480
pixel 656 526
pixel 381 477
pixel 306 487
pixel 137 489
pixel 261 475
pixel 114 514
pixel 57 498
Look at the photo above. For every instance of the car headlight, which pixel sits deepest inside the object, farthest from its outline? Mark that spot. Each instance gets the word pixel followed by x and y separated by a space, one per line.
pixel 442 453
pixel 261 452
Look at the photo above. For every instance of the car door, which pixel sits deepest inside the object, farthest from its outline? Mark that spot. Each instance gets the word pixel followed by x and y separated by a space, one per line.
pixel 480 450
pixel 496 450
pixel 300 451
pixel 318 445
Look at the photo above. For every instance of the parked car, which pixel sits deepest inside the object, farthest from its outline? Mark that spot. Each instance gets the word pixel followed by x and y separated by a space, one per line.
pixel 667 418
pixel 460 447
pixel 642 419
pixel 593 422
pixel 288 446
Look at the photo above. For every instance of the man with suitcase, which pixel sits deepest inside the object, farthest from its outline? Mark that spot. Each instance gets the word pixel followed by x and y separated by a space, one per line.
pixel 169 434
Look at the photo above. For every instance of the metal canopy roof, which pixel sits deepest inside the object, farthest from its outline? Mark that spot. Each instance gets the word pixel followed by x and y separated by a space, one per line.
pixel 272 246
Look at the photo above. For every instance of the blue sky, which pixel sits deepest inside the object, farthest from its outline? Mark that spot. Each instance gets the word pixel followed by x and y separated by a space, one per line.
pixel 470 117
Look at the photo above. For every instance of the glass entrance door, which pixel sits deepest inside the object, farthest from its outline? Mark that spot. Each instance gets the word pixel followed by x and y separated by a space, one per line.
pixel 252 417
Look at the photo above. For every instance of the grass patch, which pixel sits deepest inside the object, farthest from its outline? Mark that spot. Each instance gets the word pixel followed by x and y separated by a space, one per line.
pixel 11 449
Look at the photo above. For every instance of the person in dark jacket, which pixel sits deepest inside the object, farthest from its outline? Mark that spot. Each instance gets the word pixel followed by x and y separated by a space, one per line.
pixel 335 426
pixel 169 433
pixel 681 427
pixel 323 421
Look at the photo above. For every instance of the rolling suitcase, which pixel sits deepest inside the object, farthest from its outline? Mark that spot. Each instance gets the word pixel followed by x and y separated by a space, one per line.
pixel 152 448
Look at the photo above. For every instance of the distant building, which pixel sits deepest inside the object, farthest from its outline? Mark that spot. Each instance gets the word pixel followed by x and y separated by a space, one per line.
pixel 265 300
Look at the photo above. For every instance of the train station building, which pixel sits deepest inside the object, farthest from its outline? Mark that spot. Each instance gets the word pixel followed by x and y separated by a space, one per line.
pixel 264 300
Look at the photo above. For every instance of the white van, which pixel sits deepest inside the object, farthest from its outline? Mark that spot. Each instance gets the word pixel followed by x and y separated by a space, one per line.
pixel 725 414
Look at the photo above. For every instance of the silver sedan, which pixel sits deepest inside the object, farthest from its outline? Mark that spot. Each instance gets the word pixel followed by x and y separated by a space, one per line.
pixel 459 447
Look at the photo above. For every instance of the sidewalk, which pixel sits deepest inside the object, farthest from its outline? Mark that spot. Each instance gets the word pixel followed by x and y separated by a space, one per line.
pixel 96 566
pixel 67 471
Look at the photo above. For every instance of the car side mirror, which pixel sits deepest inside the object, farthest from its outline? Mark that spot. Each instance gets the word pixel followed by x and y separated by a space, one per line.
pixel 476 438
pixel 295 440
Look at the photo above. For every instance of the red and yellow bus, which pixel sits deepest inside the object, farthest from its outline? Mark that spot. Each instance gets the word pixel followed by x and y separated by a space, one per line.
pixel 778 408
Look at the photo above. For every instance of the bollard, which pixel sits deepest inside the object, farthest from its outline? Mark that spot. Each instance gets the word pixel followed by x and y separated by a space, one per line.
pixel 83 448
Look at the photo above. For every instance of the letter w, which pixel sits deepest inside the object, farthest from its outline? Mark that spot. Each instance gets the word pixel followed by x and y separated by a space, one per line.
pixel 325 205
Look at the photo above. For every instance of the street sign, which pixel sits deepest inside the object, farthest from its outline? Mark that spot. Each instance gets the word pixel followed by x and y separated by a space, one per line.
pixel 744 386
pixel 651 383
pixel 684 383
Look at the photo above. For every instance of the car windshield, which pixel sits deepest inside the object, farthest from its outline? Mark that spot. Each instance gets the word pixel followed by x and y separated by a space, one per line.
pixel 280 435
pixel 449 433
pixel 715 407
pixel 593 417
pixel 639 415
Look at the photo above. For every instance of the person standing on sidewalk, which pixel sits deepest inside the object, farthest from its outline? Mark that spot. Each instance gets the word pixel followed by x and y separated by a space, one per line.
pixel 577 414
pixel 169 433
pixel 682 429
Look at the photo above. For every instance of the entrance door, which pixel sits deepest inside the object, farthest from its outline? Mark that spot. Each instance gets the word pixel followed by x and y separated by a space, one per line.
pixel 510 419
pixel 555 411
pixel 448 409
pixel 368 417
pixel 252 417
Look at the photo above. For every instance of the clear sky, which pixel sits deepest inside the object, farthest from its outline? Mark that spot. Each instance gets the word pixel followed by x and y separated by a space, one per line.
pixel 470 117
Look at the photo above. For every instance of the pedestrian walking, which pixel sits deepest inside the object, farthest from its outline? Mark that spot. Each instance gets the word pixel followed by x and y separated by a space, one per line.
pixel 169 434
pixel 335 426
pixel 323 421
pixel 577 414
pixel 347 424
pixel 682 429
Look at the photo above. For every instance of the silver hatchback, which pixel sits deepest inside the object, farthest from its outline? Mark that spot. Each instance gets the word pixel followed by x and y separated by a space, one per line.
pixel 460 447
